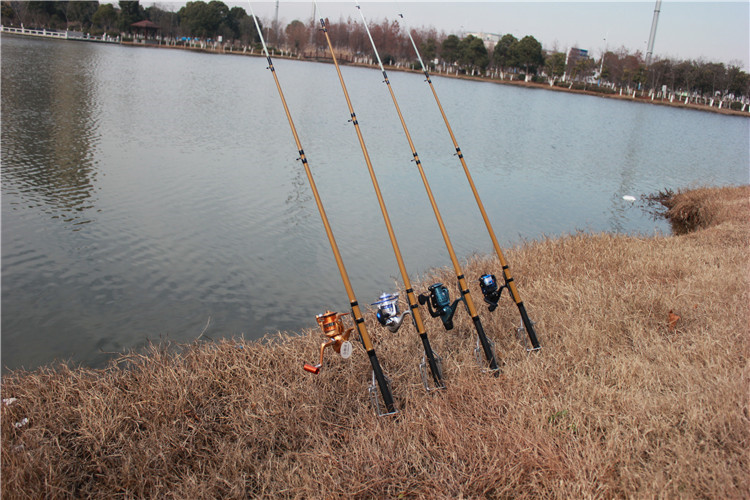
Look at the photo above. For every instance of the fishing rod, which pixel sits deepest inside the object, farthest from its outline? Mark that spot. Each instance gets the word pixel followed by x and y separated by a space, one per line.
pixel 331 322
pixel 438 299
pixel 487 282
pixel 387 302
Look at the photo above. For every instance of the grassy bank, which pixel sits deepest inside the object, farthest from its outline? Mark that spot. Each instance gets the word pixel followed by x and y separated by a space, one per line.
pixel 619 402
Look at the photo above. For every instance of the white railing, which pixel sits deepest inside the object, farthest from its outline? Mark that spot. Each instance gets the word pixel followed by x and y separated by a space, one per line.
pixel 32 32
pixel 66 35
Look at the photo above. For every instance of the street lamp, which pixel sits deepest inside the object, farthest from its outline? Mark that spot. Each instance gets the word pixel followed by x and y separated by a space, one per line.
pixel 601 66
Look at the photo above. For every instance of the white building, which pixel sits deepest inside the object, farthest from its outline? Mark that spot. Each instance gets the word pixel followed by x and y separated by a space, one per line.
pixel 489 39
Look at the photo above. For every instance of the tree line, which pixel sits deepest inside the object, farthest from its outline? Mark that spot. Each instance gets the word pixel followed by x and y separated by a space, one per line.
pixel 195 19
pixel 509 58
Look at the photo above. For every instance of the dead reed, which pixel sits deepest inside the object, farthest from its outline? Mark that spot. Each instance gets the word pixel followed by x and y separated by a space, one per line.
pixel 624 400
pixel 701 207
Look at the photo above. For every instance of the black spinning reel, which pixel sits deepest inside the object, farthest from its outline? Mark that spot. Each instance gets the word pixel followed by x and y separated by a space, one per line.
pixel 490 290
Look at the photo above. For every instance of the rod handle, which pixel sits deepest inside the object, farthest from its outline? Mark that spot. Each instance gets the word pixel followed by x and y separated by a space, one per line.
pixel 312 369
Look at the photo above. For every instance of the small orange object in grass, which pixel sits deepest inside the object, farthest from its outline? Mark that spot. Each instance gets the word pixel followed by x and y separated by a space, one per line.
pixel 673 320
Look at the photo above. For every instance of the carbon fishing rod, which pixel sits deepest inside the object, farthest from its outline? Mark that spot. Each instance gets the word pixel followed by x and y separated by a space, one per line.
pixel 430 357
pixel 487 282
pixel 331 322
pixel 439 300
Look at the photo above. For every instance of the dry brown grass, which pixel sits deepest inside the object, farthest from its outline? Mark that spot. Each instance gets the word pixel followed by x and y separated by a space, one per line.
pixel 703 207
pixel 617 404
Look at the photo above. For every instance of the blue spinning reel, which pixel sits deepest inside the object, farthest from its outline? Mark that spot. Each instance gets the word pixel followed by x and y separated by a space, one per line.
pixel 439 304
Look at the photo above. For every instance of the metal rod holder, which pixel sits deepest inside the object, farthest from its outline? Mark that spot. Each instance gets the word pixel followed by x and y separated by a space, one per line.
pixel 375 400
pixel 480 357
pixel 523 338
pixel 424 372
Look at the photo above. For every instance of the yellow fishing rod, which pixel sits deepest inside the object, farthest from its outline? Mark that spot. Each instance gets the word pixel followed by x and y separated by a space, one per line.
pixel 431 358
pixel 487 282
pixel 331 322
pixel 438 300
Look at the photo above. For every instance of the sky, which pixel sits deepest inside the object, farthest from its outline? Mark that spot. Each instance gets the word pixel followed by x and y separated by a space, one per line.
pixel 711 31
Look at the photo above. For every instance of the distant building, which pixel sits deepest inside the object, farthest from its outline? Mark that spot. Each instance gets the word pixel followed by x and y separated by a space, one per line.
pixel 574 55
pixel 489 39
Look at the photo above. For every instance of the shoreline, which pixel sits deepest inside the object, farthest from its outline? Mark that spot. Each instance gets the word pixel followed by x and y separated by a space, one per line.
pixel 531 85
pixel 639 389
pixel 518 83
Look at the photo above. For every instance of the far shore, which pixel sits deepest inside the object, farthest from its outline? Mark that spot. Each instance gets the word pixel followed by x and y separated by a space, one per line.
pixel 519 83
pixel 542 86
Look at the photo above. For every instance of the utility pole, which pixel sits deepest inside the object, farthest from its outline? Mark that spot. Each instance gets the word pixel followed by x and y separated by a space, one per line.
pixel 652 35
pixel 276 23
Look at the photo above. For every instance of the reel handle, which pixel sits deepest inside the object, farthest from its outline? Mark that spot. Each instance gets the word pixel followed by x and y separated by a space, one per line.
pixel 312 369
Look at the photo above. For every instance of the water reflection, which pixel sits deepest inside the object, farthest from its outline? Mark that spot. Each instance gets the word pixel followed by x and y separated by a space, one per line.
pixel 631 161
pixel 50 131
pixel 298 200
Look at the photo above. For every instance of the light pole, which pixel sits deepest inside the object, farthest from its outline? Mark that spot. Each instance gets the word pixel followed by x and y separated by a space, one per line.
pixel 601 66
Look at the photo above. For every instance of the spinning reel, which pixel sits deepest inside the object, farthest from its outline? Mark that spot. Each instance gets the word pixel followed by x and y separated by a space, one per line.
pixel 490 290
pixel 332 325
pixel 388 313
pixel 439 304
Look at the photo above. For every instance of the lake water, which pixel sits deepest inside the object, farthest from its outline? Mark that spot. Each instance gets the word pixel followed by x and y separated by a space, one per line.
pixel 145 191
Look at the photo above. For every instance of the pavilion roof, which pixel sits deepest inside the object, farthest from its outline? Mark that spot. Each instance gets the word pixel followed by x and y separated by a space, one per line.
pixel 145 24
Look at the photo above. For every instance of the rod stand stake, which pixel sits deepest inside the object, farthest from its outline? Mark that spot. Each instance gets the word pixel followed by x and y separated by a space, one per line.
pixel 426 376
pixel 481 360
pixel 375 400
pixel 523 337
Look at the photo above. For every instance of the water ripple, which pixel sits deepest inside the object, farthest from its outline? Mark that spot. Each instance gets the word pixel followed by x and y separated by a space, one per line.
pixel 49 132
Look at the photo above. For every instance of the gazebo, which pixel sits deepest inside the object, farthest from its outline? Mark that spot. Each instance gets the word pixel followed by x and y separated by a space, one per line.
pixel 145 28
